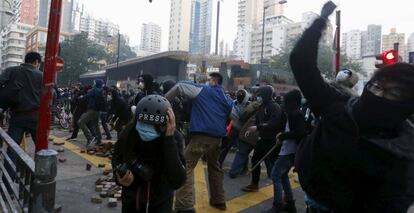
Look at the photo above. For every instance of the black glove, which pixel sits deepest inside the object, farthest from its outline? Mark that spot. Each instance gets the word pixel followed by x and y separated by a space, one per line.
pixel 327 9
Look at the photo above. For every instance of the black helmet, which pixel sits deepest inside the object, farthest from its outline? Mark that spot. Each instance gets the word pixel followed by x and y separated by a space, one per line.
pixel 152 109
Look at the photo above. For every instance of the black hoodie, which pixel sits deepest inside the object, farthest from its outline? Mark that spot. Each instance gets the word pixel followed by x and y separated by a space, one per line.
pixel 339 166
pixel 148 88
pixel 291 106
pixel 269 117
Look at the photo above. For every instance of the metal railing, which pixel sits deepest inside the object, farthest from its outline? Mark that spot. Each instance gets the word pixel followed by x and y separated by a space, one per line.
pixel 24 187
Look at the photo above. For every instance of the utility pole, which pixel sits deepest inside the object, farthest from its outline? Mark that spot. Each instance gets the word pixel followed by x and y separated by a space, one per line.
pixel 217 25
pixel 338 41
pixel 49 74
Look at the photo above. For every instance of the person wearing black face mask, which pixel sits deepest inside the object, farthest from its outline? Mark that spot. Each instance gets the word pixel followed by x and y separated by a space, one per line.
pixel 269 122
pixel 360 157
pixel 147 160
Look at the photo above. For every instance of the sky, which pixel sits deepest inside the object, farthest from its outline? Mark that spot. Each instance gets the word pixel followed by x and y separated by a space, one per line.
pixel 356 14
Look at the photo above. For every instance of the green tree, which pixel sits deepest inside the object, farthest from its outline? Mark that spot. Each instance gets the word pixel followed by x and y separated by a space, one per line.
pixel 125 51
pixel 80 55
pixel 325 60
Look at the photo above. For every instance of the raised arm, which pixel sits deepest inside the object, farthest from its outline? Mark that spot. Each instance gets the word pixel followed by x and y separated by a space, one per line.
pixel 303 61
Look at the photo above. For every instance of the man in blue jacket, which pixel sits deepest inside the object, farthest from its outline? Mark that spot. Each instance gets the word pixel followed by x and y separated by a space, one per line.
pixel 95 104
pixel 210 110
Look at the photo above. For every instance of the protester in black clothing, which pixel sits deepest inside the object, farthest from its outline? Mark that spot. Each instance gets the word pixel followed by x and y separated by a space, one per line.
pixel 104 114
pixel 146 85
pixel 147 160
pixel 269 122
pixel 79 107
pixel 121 111
pixel 293 133
pixel 360 157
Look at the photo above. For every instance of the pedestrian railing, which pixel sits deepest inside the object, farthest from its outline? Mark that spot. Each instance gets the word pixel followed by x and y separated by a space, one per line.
pixel 25 187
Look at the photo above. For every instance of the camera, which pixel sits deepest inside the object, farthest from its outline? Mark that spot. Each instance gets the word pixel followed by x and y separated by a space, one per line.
pixel 142 170
pixel 138 169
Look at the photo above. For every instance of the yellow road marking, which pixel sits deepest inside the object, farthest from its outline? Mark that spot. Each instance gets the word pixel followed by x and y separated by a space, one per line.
pixel 200 188
pixel 95 160
pixel 237 204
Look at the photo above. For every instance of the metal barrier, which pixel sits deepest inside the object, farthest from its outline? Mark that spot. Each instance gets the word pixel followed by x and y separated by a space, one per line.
pixel 24 187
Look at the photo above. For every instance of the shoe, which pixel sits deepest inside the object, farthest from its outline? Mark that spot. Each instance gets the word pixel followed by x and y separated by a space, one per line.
pixel 185 211
pixel 109 138
pixel 219 206
pixel 290 206
pixel 251 188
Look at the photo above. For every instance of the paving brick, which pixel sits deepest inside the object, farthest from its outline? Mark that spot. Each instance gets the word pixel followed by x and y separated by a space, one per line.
pixel 112 202
pixel 62 159
pixel 98 188
pixel 88 166
pixel 96 199
pixel 61 150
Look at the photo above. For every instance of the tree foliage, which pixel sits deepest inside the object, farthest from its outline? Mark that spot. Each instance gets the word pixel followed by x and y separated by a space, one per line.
pixel 80 55
pixel 125 51
pixel 325 60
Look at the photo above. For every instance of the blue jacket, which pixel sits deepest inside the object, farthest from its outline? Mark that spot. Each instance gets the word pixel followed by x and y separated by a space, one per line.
pixel 210 107
pixel 92 97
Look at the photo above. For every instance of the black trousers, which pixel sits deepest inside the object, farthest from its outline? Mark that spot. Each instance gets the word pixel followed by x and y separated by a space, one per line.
pixel 261 149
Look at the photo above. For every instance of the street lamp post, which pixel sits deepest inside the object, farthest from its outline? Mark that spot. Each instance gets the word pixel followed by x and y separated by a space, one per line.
pixel 119 44
pixel 263 29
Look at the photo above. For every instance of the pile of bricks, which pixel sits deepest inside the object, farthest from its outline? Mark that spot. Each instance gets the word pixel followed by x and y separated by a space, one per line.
pixel 107 188
pixel 101 150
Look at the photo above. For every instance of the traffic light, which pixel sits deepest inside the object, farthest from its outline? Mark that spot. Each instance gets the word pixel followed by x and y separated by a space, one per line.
pixel 387 58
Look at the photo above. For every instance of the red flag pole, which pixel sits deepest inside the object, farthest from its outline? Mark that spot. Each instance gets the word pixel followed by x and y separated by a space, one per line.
pixel 49 74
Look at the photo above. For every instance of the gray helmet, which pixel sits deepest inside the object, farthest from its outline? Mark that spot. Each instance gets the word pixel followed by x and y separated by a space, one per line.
pixel 152 109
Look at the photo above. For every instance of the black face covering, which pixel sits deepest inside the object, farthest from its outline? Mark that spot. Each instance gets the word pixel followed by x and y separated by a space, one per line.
pixel 377 113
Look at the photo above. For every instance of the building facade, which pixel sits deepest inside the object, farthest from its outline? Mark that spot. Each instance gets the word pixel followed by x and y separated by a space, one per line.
pixel 98 30
pixel 201 26
pixel 13 45
pixel 275 38
pixel 249 15
pixel 352 44
pixel 371 40
pixel 37 37
pixel 66 16
pixel 180 21
pixel 151 38
pixel 27 12
pixel 389 40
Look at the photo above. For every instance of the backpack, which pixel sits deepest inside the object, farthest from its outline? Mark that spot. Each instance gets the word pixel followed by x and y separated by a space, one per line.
pixel 101 104
pixel 9 93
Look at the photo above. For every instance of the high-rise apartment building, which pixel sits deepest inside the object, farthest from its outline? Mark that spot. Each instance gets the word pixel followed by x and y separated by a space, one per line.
pixel 180 21
pixel 66 16
pixel 13 46
pixel 151 38
pixel 389 40
pixel 371 41
pixel 201 24
pixel 249 16
pixel 27 12
pixel 352 44
pixel 98 30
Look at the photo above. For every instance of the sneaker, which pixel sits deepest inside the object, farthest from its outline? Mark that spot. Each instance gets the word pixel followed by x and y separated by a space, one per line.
pixel 219 206
pixel 251 188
